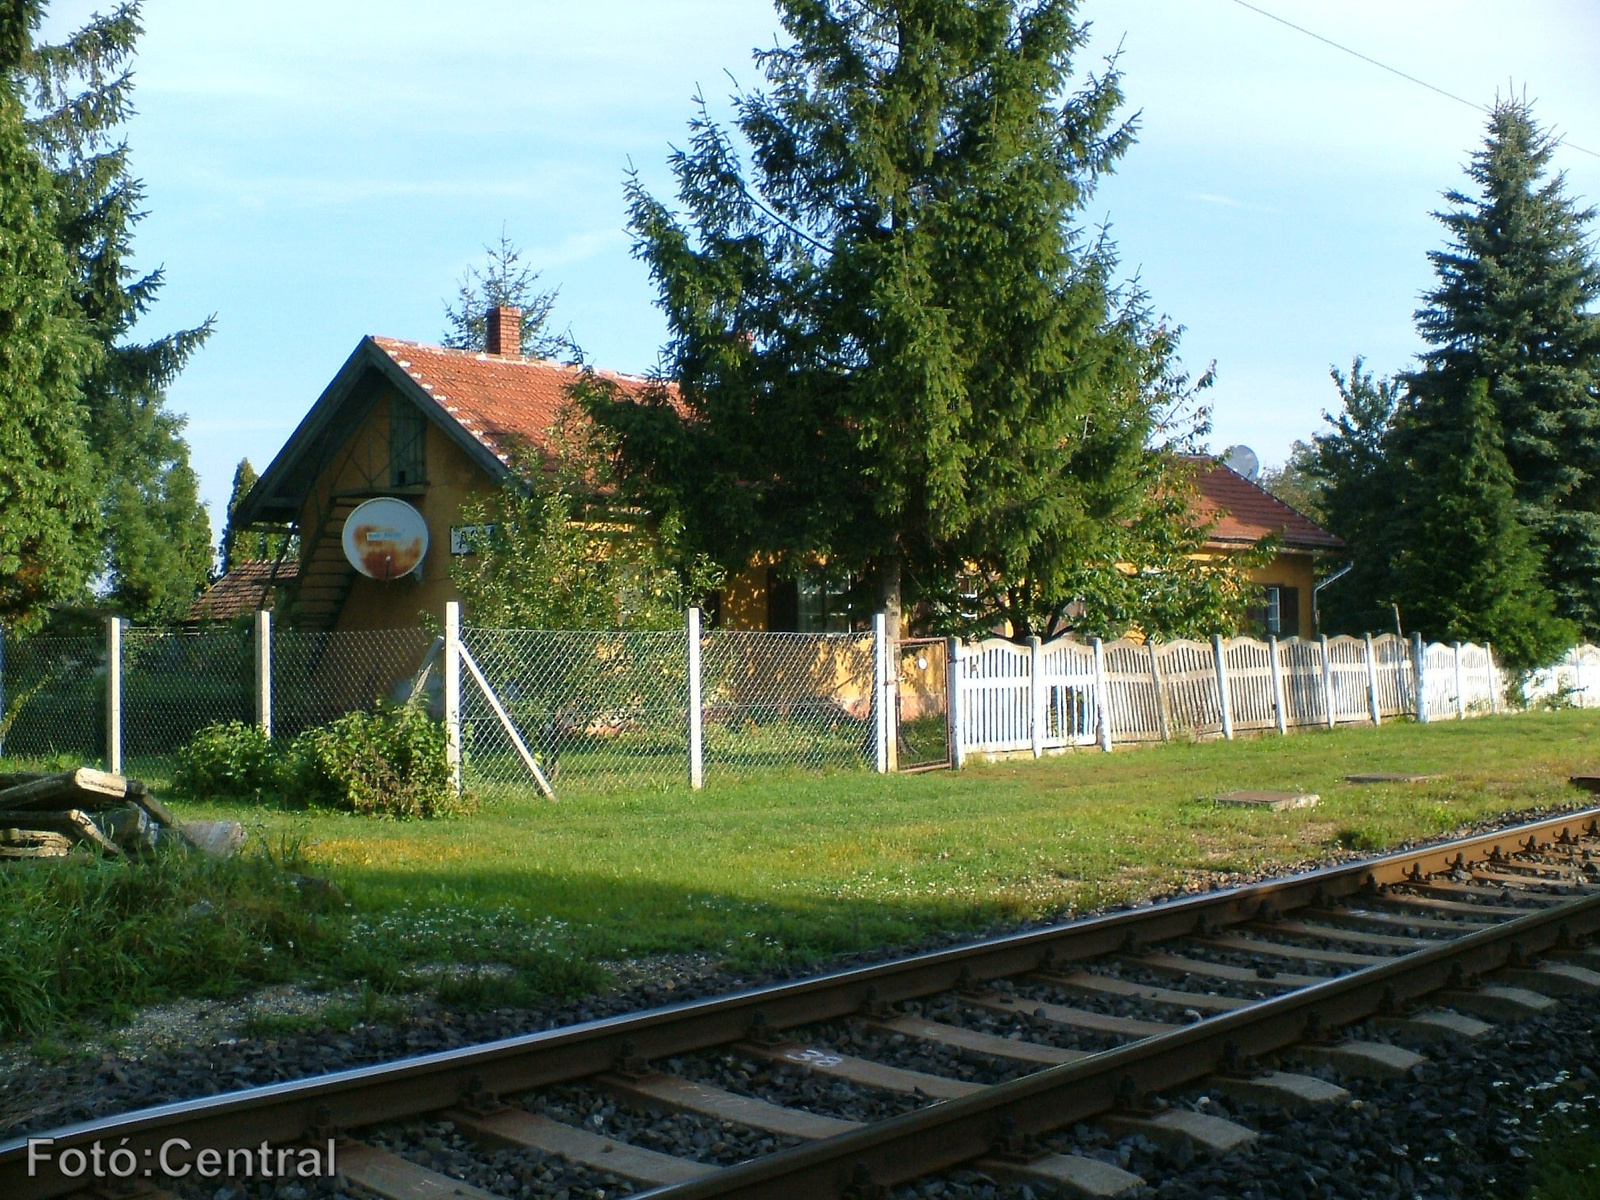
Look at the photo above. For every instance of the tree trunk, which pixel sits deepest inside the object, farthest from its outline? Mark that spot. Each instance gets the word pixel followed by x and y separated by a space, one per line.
pixel 888 598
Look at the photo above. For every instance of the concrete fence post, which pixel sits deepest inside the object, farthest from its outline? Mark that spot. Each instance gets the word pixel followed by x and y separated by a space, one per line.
pixel 452 691
pixel 263 661
pixel 1494 678
pixel 114 695
pixel 880 693
pixel 1163 717
pixel 1372 683
pixel 1036 696
pixel 955 734
pixel 1327 684
pixel 1461 690
pixel 1280 708
pixel 1419 676
pixel 1102 695
pixel 697 767
pixel 1224 701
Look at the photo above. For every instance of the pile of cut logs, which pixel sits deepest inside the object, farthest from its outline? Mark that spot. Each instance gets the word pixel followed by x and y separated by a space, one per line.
pixel 46 816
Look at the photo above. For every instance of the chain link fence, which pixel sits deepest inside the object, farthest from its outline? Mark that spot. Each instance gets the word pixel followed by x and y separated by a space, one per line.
pixel 319 676
pixel 596 710
pixel 773 700
pixel 174 684
pixel 53 697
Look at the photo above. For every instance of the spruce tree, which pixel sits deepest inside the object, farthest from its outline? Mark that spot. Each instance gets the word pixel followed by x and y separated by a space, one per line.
pixel 157 537
pixel 1514 306
pixel 47 494
pixel 247 545
pixel 1462 565
pixel 505 280
pixel 895 347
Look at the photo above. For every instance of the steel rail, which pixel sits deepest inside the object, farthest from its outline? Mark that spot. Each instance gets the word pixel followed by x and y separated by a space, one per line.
pixel 958 1131
pixel 318 1105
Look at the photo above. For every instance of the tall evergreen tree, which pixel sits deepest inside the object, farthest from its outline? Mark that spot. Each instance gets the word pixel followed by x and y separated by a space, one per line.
pixel 247 545
pixel 894 348
pixel 47 509
pixel 157 547
pixel 505 280
pixel 1462 564
pixel 1515 306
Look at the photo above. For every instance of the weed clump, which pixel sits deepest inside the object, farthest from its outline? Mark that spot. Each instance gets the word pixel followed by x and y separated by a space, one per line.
pixel 228 760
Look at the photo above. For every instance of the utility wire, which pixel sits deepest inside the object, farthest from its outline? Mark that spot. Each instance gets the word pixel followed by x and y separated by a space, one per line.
pixel 1386 67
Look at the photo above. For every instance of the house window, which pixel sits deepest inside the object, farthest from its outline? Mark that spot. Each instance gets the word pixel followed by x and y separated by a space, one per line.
pixel 824 604
pixel 1278 615
pixel 408 441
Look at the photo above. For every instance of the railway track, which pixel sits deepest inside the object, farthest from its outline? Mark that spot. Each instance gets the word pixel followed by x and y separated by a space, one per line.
pixel 845 1084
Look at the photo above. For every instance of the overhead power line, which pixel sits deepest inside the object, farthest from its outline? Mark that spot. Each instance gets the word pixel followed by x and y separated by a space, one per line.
pixel 1327 41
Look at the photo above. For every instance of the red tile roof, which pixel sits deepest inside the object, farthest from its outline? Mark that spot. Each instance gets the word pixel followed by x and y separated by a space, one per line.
pixel 1245 512
pixel 246 589
pixel 500 401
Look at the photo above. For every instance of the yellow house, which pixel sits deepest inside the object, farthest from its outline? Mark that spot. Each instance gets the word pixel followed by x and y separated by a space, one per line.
pixel 435 427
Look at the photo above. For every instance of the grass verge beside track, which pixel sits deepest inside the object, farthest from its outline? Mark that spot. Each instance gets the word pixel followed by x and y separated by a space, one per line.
pixel 795 868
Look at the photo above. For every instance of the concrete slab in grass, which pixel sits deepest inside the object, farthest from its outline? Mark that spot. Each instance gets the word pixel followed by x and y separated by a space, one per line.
pixel 1389 777
pixel 1275 801
pixel 1589 783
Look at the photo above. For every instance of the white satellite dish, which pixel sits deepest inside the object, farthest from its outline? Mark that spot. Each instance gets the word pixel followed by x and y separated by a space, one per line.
pixel 1243 460
pixel 385 538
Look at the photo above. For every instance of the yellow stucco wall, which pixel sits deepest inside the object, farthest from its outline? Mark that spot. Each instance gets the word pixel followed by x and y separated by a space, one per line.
pixel 1291 570
pixel 451 479
pixel 744 599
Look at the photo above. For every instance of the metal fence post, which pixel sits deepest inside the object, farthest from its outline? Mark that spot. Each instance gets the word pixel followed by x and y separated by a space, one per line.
pixel 263 649
pixel 1036 696
pixel 114 695
pixel 1163 720
pixel 1372 683
pixel 3 723
pixel 1224 701
pixel 697 769
pixel 954 733
pixel 1102 694
pixel 452 691
pixel 1461 691
pixel 880 674
pixel 1419 676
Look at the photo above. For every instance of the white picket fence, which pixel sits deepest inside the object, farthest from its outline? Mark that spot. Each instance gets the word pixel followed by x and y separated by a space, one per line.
pixel 1575 680
pixel 1039 697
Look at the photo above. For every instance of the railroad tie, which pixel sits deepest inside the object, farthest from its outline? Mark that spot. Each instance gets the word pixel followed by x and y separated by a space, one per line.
pixel 971 1040
pixel 1372 1060
pixel 685 1095
pixel 1111 985
pixel 862 1071
pixel 1075 1018
pixel 1499 1002
pixel 518 1129
pixel 1073 1174
pixel 399 1178
pixel 1553 979
pixel 1281 1089
pixel 1169 1129
pixel 1179 964
pixel 1435 1026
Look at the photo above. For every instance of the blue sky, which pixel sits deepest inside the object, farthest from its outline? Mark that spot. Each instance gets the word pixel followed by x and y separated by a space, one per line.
pixel 321 171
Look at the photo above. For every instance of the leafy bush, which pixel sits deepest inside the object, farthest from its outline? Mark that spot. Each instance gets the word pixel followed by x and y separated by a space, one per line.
pixel 229 759
pixel 386 763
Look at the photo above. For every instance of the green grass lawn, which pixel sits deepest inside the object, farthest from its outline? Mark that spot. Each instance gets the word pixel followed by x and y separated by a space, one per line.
pixel 789 868
pixel 797 867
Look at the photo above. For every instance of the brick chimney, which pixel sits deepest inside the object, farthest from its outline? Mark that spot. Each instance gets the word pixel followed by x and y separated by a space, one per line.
pixel 504 335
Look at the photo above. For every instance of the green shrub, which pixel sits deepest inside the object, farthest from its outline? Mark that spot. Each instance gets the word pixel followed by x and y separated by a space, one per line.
pixel 230 760
pixel 386 763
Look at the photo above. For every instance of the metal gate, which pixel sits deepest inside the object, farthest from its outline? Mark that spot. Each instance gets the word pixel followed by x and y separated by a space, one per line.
pixel 922 704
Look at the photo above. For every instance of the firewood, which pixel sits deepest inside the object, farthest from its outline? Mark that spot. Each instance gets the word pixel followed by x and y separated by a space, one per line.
pixel 83 788
pixel 74 823
pixel 33 843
